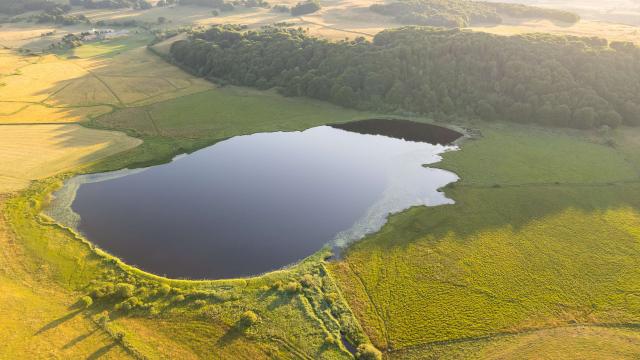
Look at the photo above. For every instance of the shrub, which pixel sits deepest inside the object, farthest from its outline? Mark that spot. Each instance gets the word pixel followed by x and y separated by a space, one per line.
pixel 124 290
pixel 154 310
pixel 368 352
pixel 330 340
pixel 278 285
pixel 293 287
pixel 308 280
pixel 281 8
pixel 248 318
pixel 85 301
pixel 130 304
pixel 331 298
pixel 164 289
pixel 103 290
pixel 102 319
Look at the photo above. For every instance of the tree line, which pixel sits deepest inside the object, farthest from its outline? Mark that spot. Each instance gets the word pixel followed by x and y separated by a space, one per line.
pixel 537 78
pixel 463 13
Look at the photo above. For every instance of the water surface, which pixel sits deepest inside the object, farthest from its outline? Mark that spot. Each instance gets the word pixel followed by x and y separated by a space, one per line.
pixel 255 203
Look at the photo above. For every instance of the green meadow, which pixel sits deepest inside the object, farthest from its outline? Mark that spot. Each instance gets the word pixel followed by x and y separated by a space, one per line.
pixel 544 234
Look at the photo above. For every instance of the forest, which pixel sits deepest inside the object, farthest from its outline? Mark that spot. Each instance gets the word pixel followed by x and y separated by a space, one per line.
pixel 462 13
pixel 551 80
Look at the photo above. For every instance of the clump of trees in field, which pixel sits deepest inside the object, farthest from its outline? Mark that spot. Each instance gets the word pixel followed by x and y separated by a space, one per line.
pixel 307 7
pixel 461 13
pixel 551 80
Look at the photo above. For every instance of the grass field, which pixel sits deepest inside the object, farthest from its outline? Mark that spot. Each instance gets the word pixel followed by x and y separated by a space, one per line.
pixel 225 112
pixel 543 234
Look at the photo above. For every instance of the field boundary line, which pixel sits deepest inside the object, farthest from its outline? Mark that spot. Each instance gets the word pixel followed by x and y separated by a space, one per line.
pixel 101 81
pixel 153 122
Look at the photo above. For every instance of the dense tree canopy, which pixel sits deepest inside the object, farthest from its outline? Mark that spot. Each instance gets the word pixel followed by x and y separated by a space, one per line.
pixel 546 79
pixel 460 13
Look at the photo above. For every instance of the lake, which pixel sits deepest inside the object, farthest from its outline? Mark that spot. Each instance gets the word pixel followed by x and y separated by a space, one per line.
pixel 255 203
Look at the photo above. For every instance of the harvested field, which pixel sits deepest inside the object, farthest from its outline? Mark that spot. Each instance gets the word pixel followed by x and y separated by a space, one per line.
pixel 30 152
pixel 117 73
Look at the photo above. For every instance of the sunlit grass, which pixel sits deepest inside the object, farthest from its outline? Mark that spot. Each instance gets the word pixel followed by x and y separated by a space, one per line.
pixel 541 235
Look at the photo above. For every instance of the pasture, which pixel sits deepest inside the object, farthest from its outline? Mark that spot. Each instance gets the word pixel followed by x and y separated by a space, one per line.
pixel 540 237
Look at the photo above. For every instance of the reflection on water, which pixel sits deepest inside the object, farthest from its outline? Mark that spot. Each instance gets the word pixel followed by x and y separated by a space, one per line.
pixel 255 203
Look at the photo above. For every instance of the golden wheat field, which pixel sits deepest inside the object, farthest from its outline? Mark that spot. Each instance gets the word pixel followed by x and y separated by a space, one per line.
pixel 30 152
pixel 95 80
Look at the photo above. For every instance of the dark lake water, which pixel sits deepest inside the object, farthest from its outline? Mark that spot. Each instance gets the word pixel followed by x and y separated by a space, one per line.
pixel 253 203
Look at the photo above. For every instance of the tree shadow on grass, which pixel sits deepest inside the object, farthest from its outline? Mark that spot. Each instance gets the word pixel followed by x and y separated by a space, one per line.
pixel 485 209
pixel 230 336
pixel 58 321
pixel 102 351
pixel 79 339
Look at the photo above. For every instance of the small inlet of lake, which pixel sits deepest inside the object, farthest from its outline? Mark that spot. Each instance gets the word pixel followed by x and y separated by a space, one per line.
pixel 256 203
